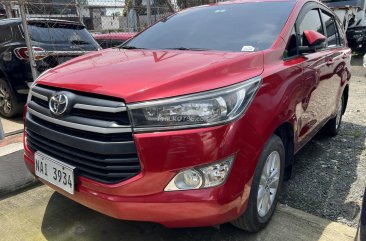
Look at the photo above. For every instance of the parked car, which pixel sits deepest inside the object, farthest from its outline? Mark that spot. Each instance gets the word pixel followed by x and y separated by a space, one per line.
pixel 195 121
pixel 109 40
pixel 53 41
pixel 356 36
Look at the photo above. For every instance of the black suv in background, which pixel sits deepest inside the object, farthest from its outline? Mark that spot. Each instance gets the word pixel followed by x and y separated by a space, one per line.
pixel 356 36
pixel 53 42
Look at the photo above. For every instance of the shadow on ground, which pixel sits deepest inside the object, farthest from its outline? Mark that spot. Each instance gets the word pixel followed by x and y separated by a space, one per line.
pixel 357 60
pixel 323 174
pixel 67 220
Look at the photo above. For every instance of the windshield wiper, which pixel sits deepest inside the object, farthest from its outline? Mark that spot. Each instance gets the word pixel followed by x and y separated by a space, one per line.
pixel 184 48
pixel 130 47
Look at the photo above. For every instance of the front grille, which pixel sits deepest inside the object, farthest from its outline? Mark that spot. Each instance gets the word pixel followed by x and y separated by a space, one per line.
pixel 94 135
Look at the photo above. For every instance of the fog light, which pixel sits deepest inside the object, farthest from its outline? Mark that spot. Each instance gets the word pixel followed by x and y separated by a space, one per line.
pixel 188 179
pixel 185 180
pixel 201 177
pixel 216 174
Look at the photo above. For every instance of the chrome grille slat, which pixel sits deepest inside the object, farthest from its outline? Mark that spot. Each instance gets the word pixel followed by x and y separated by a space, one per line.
pixel 79 126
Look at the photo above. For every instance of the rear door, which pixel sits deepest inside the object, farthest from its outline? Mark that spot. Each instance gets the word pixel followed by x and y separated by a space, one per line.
pixel 336 64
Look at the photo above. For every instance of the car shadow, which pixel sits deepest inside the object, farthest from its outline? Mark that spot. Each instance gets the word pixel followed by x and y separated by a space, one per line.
pixel 323 174
pixel 65 219
pixel 357 60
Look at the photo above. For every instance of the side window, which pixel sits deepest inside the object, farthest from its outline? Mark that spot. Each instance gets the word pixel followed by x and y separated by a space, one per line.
pixel 311 21
pixel 291 48
pixel 331 29
pixel 340 32
pixel 5 34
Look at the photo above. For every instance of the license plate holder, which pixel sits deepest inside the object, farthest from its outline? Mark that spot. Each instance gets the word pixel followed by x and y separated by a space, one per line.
pixel 54 171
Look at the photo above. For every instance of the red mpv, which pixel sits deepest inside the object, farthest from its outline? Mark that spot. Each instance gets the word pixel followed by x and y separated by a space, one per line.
pixel 196 120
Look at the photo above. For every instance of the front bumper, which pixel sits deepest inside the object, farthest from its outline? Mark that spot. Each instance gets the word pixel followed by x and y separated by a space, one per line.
pixel 162 155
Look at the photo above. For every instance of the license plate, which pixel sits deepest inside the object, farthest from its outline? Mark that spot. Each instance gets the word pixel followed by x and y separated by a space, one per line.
pixel 54 171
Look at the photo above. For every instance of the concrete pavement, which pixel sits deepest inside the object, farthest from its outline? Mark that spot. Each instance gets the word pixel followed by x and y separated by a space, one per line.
pixel 41 214
pixel 12 126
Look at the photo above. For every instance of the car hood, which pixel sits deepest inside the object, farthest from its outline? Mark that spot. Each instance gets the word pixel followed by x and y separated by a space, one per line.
pixel 139 75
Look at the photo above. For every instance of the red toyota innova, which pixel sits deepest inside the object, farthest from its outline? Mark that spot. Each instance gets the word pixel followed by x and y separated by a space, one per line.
pixel 196 120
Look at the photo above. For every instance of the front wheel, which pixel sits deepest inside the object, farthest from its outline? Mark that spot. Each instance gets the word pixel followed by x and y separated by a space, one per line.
pixel 266 185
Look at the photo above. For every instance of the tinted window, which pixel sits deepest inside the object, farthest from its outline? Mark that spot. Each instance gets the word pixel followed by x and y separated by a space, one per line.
pixel 331 29
pixel 59 33
pixel 5 34
pixel 311 21
pixel 228 27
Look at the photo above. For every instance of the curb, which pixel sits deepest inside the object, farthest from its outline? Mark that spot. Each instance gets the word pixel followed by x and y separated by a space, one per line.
pixel 13 133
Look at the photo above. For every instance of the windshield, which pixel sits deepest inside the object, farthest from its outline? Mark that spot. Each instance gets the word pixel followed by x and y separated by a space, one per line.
pixel 229 27
pixel 60 33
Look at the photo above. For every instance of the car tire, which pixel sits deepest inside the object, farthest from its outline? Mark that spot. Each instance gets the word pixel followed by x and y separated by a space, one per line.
pixel 334 125
pixel 257 215
pixel 9 106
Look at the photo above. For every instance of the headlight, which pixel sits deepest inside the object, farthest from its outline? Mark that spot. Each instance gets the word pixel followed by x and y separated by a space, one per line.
pixel 202 109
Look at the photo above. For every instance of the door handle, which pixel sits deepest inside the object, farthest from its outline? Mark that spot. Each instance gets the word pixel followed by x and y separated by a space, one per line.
pixel 345 56
pixel 330 62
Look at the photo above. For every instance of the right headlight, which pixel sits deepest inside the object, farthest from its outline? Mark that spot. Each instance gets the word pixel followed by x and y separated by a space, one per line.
pixel 202 109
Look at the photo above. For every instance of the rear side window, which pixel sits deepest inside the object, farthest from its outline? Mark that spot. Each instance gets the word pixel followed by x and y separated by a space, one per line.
pixel 331 29
pixel 340 32
pixel 311 21
pixel 5 34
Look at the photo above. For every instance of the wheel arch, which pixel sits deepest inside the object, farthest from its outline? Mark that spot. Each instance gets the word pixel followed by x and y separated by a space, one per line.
pixel 286 132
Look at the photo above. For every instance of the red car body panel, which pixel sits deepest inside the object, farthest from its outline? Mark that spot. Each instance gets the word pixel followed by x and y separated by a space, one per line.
pixel 288 95
pixel 175 72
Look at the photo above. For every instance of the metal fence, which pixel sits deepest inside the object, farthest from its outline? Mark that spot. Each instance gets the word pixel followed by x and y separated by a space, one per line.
pixel 66 38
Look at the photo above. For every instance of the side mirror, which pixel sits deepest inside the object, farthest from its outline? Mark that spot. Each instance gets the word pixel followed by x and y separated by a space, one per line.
pixel 316 40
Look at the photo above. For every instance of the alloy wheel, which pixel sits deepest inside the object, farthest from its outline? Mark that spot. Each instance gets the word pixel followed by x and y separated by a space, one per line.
pixel 5 101
pixel 268 184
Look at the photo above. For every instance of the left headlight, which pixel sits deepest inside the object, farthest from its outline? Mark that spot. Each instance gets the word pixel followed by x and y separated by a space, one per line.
pixel 202 109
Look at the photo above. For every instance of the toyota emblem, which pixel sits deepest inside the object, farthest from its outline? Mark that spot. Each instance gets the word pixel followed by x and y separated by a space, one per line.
pixel 58 104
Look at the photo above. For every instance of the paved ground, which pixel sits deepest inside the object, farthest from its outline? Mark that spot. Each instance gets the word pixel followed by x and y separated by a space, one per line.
pixel 330 173
pixel 12 126
pixel 41 214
